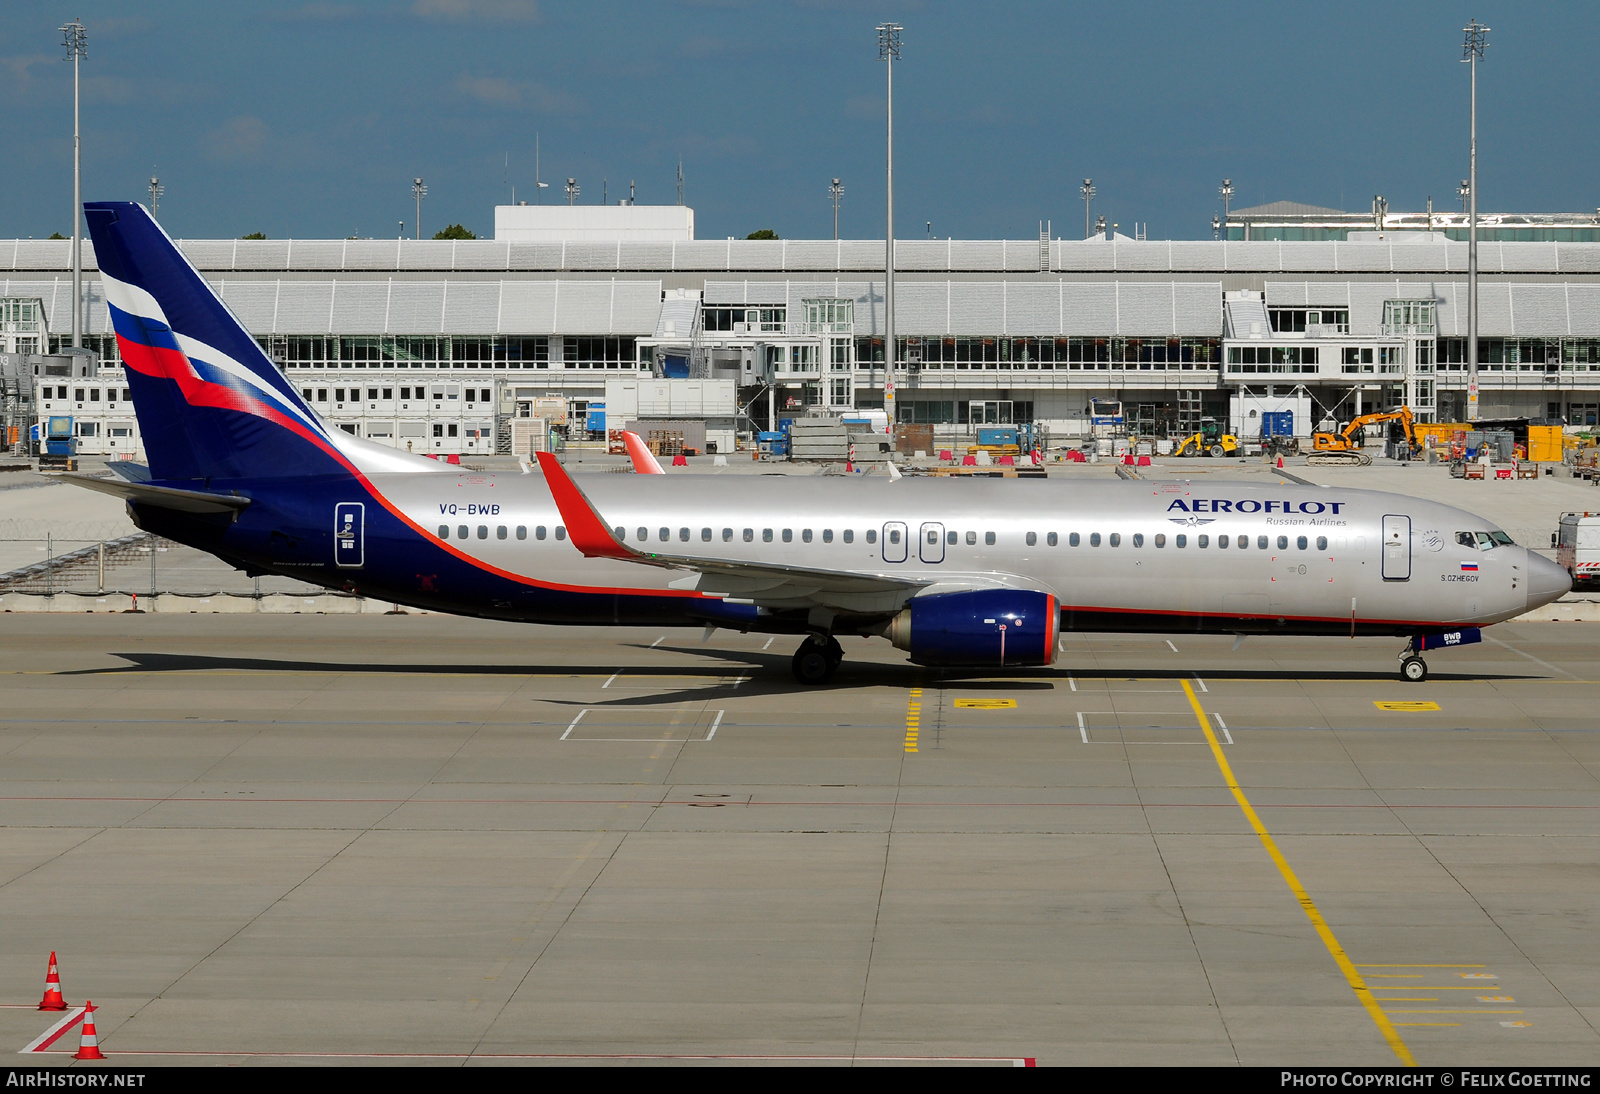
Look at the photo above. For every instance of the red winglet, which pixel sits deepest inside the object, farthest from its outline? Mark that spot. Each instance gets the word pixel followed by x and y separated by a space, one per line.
pixel 588 532
pixel 644 461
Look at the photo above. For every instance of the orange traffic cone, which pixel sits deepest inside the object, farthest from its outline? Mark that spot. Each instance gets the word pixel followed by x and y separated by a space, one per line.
pixel 88 1042
pixel 52 988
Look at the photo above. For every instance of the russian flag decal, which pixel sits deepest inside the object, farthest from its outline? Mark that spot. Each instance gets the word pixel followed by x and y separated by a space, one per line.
pixel 1469 567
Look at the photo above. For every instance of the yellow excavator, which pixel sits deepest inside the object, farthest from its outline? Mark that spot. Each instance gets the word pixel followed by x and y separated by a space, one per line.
pixel 1343 448
pixel 1209 441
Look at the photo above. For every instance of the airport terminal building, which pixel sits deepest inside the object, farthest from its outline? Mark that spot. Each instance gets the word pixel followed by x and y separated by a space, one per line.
pixel 442 346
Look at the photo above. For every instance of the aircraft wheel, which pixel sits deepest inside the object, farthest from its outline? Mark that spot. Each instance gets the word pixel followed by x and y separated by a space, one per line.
pixel 1414 669
pixel 814 663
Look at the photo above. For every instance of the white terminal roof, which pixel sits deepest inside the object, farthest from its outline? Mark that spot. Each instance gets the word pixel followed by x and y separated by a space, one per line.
pixel 589 223
pixel 863 256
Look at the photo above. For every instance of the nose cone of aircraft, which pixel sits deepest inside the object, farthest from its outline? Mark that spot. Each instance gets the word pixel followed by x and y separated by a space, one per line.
pixel 1546 581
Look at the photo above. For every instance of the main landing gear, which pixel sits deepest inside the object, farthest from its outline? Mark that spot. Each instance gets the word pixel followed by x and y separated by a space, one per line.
pixel 817 659
pixel 1412 667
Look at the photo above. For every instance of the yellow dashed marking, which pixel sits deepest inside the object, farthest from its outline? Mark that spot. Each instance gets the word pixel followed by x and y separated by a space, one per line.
pixel 913 718
pixel 1405 704
pixel 987 704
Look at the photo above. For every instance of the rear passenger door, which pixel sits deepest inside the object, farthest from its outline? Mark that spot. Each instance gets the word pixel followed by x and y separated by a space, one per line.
pixel 894 542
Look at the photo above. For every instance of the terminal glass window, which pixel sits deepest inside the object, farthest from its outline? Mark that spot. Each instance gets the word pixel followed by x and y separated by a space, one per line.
pixel 599 353
pixel 1408 317
pixel 1319 321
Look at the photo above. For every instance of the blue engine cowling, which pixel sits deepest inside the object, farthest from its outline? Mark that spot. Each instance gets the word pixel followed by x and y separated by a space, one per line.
pixel 990 627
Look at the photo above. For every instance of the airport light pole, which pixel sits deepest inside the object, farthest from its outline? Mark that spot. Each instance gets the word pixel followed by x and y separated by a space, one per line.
pixel 1226 190
pixel 156 190
pixel 573 189
pixel 419 190
pixel 1087 190
pixel 836 191
pixel 1216 227
pixel 889 53
pixel 1477 41
pixel 76 40
pixel 1461 192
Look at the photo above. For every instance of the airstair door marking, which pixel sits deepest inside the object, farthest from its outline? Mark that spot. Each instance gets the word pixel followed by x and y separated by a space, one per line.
pixel 930 544
pixel 349 534
pixel 1396 548
pixel 894 542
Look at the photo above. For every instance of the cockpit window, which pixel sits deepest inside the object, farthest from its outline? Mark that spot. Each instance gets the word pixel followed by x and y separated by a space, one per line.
pixel 1501 539
pixel 1484 541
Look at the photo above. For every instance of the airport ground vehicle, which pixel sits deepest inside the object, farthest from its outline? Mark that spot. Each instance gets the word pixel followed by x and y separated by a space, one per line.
pixel 1577 544
pixel 1210 440
pixel 1344 446
pixel 959 573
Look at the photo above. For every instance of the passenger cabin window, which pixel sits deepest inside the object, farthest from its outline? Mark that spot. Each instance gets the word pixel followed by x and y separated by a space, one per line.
pixel 561 531
pixel 988 539
pixel 1033 539
pixel 1138 539
pixel 894 535
pixel 522 532
pixel 1073 540
pixel 1283 542
pixel 727 535
pixel 683 535
pixel 805 536
pixel 705 535
pixel 872 535
pixel 1094 539
pixel 749 535
pixel 827 535
pixel 766 535
pixel 1322 543
pixel 951 538
pixel 664 534
pixel 972 539
pixel 849 535
pixel 1052 540
pixel 444 531
pixel 788 535
pixel 1182 541
pixel 461 532
pixel 500 532
pixel 1116 539
pixel 538 533
pixel 483 531
pixel 1301 543
pixel 1202 541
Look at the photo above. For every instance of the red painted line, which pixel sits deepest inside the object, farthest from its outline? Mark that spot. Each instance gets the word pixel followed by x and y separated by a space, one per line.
pixel 1014 1061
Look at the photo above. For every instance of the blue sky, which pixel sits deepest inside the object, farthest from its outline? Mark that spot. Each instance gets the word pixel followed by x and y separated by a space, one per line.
pixel 310 119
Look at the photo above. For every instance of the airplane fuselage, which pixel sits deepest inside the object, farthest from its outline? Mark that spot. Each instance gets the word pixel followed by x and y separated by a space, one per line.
pixel 1219 556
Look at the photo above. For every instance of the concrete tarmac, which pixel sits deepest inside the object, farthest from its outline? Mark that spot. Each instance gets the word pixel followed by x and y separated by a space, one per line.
pixel 421 839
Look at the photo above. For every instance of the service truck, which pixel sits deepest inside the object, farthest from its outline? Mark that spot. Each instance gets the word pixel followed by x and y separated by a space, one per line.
pixel 1578 547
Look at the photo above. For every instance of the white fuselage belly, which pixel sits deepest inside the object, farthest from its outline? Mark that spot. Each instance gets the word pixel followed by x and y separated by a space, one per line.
pixel 1423 578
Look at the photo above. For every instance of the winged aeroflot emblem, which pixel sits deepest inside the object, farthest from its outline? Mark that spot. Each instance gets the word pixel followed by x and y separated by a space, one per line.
pixel 1191 522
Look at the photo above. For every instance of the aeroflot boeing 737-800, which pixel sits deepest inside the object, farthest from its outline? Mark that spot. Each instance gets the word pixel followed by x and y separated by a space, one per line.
pixel 958 573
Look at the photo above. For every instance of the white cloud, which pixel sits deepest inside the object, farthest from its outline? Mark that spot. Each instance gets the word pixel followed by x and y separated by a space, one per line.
pixel 237 140
pixel 517 94
pixel 481 11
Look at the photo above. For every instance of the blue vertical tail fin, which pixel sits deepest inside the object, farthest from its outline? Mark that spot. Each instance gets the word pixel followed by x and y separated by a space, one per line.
pixel 210 403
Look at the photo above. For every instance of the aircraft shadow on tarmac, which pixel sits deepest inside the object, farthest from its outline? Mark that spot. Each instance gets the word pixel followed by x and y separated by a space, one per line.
pixel 768 674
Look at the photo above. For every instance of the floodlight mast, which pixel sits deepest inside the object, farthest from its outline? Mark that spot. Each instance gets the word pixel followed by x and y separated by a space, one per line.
pixel 1087 190
pixel 1226 190
pixel 889 53
pixel 419 190
pixel 573 190
pixel 836 191
pixel 156 190
pixel 1477 40
pixel 76 40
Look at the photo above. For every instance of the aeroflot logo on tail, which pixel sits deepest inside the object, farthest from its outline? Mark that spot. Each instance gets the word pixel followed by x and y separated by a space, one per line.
pixel 1250 505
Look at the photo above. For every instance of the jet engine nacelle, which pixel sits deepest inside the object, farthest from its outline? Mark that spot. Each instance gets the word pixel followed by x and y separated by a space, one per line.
pixel 987 627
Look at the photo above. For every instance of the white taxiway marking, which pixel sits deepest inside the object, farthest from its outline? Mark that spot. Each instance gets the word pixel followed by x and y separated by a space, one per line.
pixel 769 642
pixel 575 722
pixel 1530 657
pixel 1222 726
pixel 1083 730
pixel 1073 683
pixel 1170 646
pixel 53 1034
pixel 1202 684
pixel 715 724
pixel 613 676
pixel 658 641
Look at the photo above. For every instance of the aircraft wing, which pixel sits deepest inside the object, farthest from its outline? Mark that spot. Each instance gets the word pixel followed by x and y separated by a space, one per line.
pixel 768 584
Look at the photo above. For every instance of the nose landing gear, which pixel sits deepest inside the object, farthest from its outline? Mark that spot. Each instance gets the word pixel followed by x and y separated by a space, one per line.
pixel 817 659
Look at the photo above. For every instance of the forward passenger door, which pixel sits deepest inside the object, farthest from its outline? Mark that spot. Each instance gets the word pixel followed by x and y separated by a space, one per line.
pixel 930 543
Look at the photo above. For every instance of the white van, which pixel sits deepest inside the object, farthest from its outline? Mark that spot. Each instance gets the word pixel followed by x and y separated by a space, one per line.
pixel 1578 546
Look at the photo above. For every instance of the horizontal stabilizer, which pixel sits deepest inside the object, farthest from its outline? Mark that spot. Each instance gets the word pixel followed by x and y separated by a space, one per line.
pixel 162 497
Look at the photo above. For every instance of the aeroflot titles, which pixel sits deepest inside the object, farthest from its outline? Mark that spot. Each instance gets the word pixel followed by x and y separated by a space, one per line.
pixel 1250 505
